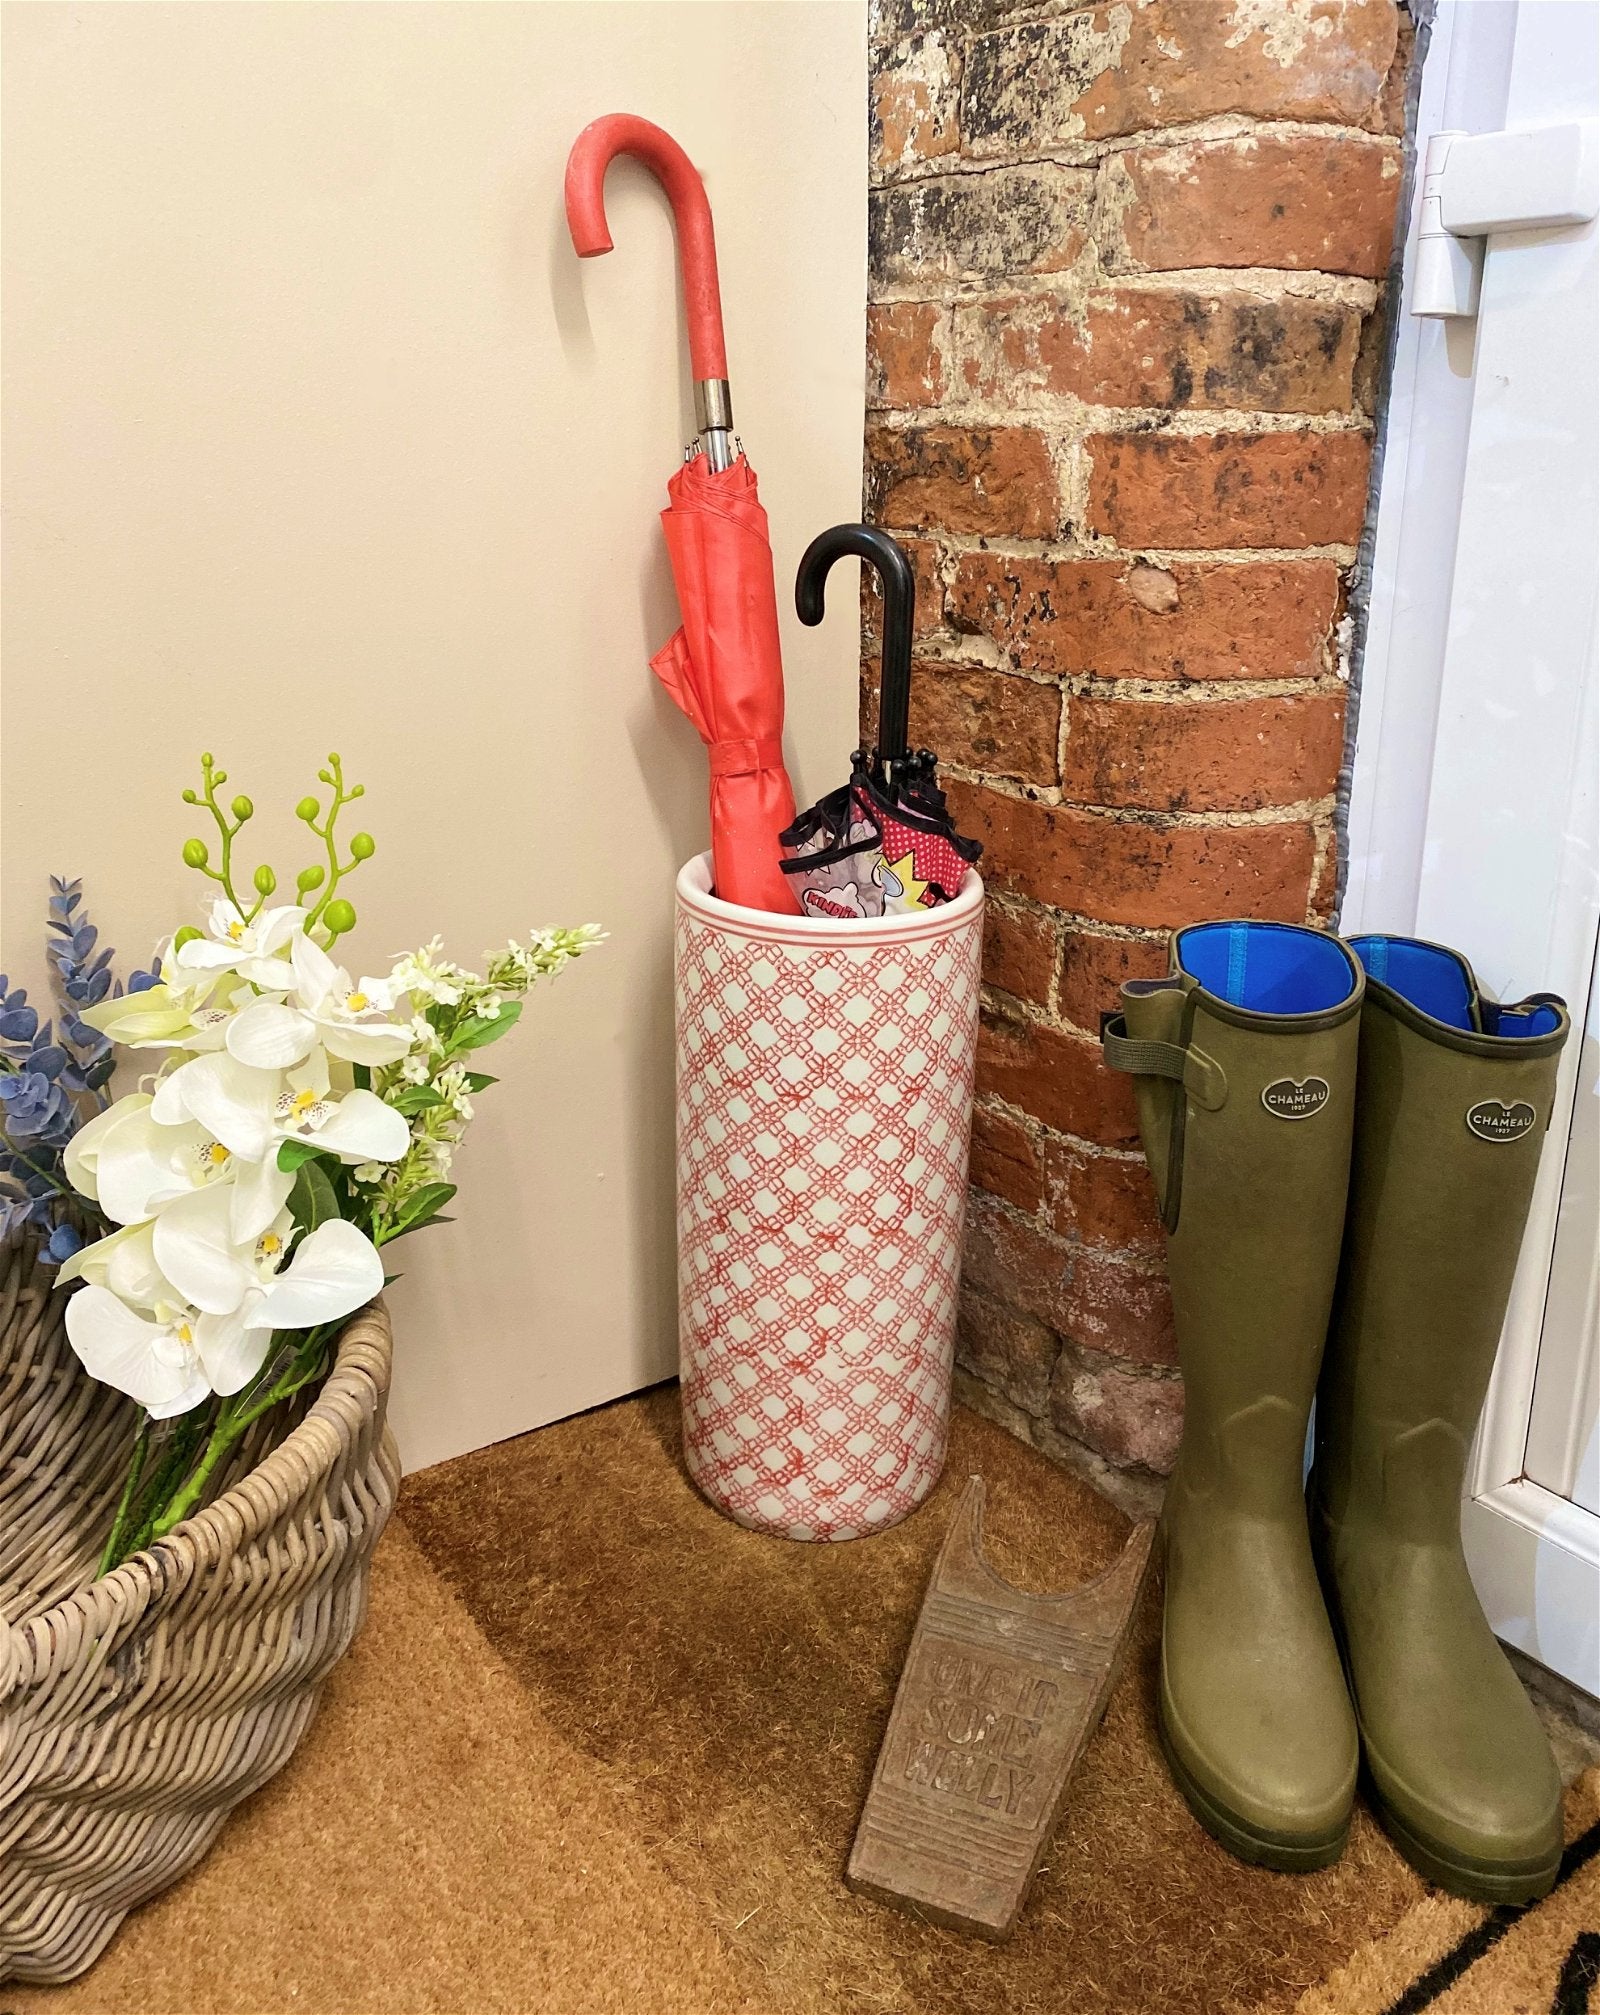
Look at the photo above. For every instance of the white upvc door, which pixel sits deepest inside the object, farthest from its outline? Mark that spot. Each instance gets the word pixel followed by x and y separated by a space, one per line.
pixel 1473 813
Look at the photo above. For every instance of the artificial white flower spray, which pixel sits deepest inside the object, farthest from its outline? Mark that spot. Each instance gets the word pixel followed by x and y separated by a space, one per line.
pixel 296 1120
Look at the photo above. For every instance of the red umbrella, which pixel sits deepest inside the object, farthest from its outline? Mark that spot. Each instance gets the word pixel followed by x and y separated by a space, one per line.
pixel 723 667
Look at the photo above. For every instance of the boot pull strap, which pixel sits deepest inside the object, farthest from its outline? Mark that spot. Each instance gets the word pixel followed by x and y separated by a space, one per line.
pixel 1200 1075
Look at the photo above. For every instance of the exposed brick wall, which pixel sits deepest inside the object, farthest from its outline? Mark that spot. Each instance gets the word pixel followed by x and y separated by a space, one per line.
pixel 1123 329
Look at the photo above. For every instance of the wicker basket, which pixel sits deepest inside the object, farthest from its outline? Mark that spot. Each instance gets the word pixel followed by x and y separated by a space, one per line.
pixel 137 1709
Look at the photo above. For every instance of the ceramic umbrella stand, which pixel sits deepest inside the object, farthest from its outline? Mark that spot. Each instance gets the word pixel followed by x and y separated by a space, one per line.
pixel 824 1100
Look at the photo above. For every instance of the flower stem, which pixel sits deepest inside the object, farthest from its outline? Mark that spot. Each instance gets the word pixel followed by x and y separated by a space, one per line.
pixel 173 1461
pixel 236 1417
pixel 141 1448
pixel 51 1176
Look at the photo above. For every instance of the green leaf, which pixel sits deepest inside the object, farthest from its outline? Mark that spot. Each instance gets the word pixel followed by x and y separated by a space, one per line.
pixel 475 1030
pixel 296 1153
pixel 480 1080
pixel 312 1201
pixel 420 1224
pixel 420 1208
pixel 424 1203
pixel 414 1099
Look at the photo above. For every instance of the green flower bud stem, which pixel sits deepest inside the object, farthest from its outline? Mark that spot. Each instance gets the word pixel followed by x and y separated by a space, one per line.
pixel 361 848
pixel 195 854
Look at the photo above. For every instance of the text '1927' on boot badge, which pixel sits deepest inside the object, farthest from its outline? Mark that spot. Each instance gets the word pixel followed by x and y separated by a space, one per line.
pixel 1000 1696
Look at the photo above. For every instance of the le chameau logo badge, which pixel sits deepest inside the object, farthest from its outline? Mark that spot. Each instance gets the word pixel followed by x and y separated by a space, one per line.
pixel 1493 1120
pixel 1295 1098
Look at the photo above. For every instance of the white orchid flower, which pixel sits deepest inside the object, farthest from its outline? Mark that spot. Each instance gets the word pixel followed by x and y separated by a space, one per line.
pixel 164 1016
pixel 81 1158
pixel 253 1112
pixel 335 1270
pixel 237 1107
pixel 237 945
pixel 155 1360
pixel 229 1098
pixel 195 1247
pixel 356 1127
pixel 133 1165
pixel 125 1262
pixel 329 1009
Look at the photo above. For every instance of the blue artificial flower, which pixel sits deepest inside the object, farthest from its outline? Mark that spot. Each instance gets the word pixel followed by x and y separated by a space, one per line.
pixel 52 1080
pixel 64 1241
pixel 18 1021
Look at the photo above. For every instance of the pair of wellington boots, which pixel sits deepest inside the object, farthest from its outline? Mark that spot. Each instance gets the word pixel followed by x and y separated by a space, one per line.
pixel 1344 1138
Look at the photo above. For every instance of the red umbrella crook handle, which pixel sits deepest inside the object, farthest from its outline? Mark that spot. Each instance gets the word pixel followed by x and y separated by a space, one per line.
pixel 592 153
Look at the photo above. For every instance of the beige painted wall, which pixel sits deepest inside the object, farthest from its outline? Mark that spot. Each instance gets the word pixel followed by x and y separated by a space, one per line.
pixel 318 436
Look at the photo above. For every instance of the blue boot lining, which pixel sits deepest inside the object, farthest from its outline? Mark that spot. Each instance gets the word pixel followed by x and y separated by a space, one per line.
pixel 1269 968
pixel 1439 983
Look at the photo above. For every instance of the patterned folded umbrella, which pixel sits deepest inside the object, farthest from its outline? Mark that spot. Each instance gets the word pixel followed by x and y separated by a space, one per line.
pixel 882 844
pixel 723 667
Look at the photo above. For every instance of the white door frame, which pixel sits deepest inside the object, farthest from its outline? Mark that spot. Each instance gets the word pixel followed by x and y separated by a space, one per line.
pixel 1473 796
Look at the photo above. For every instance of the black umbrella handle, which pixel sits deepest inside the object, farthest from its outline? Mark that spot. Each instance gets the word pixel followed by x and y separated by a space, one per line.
pixel 899 586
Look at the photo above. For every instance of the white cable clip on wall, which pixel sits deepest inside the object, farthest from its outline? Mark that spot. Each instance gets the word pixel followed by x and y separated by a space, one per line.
pixel 1530 178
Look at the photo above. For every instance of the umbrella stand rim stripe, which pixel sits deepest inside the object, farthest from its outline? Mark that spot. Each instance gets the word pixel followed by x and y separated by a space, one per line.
pixel 694 893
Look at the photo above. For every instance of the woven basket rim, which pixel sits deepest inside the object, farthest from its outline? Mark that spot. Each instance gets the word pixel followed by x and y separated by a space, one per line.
pixel 356 1381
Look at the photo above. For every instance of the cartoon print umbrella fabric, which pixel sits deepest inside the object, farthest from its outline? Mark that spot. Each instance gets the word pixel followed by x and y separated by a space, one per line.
pixel 723 667
pixel 882 844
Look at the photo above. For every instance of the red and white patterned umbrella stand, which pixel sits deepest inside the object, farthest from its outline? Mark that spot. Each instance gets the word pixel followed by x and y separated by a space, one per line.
pixel 824 1104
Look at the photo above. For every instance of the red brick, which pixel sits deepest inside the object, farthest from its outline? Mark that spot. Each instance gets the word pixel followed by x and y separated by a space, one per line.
pixel 1019 951
pixel 1072 1290
pixel 1094 967
pixel 889 19
pixel 1324 903
pixel 1131 1419
pixel 1126 871
pixel 1195 351
pixel 1304 205
pixel 962 479
pixel 963 228
pixel 1373 362
pixel 1102 1200
pixel 1115 69
pixel 1259 619
pixel 1061 1079
pixel 1389 114
pixel 1214 756
pixel 906 344
pixel 1228 489
pixel 926 557
pixel 1012 1261
pixel 1012 1353
pixel 916 96
pixel 1119 1309
pixel 1003 1161
pixel 984 720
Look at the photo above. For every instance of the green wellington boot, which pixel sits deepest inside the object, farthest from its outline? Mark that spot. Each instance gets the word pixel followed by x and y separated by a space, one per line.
pixel 1454 1098
pixel 1245 1068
